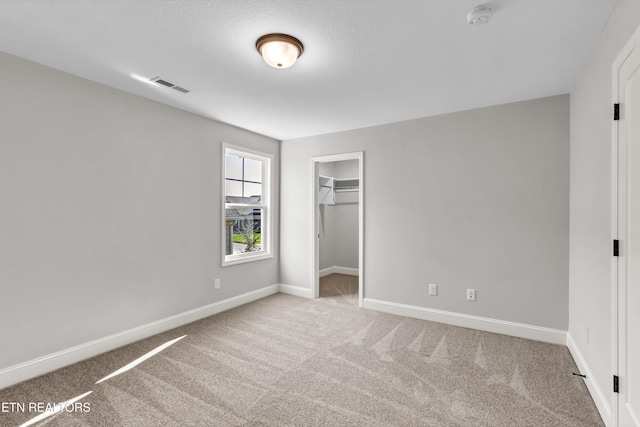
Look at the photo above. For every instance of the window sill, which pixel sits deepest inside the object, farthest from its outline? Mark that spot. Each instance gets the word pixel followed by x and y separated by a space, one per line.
pixel 243 258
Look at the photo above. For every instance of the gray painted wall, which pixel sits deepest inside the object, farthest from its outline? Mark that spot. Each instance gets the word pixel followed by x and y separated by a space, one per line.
pixel 110 211
pixel 476 199
pixel 339 223
pixel 591 197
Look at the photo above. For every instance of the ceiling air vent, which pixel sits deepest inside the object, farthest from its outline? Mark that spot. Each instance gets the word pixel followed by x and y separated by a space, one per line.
pixel 169 84
pixel 181 89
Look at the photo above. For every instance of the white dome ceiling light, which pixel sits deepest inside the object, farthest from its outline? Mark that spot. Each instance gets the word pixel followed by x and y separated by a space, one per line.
pixel 279 50
pixel 479 15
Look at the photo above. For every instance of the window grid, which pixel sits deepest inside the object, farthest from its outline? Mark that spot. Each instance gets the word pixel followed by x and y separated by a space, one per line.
pixel 242 180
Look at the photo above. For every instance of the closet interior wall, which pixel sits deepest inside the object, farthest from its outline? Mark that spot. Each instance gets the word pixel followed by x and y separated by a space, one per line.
pixel 339 222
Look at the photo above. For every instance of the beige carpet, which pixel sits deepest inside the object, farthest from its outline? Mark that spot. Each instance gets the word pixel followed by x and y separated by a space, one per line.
pixel 287 361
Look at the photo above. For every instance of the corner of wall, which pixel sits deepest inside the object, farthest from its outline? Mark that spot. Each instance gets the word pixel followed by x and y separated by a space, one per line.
pixel 597 394
pixel 297 291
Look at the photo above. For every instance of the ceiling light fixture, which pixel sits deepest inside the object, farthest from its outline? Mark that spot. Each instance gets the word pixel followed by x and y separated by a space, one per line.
pixel 279 50
pixel 479 15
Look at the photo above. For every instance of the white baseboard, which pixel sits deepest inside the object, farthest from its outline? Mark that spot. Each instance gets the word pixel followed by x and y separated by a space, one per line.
pixel 339 270
pixel 296 291
pixel 520 330
pixel 42 365
pixel 598 396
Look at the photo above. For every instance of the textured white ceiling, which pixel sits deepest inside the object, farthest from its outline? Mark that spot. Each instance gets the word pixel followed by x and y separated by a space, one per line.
pixel 366 62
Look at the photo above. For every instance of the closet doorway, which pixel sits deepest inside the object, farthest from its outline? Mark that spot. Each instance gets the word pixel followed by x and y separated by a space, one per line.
pixel 338 219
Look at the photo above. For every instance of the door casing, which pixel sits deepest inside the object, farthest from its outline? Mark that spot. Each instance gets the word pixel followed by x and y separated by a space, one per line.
pixel 620 179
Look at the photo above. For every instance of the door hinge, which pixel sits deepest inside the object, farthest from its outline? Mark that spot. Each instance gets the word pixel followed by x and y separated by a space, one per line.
pixel 616 111
pixel 616 248
pixel 615 384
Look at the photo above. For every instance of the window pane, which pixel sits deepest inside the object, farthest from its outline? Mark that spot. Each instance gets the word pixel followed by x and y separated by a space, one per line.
pixel 243 231
pixel 252 190
pixel 233 188
pixel 252 170
pixel 233 167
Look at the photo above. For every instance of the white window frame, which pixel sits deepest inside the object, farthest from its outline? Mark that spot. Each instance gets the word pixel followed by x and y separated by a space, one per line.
pixel 266 217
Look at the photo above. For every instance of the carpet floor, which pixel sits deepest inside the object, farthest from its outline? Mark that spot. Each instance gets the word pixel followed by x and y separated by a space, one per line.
pixel 288 361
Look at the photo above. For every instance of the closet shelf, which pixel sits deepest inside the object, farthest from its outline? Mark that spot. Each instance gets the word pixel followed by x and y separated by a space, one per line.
pixel 346 183
pixel 329 186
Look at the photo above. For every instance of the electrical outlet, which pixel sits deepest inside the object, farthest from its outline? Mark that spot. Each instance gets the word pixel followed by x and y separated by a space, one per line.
pixel 471 294
pixel 216 284
pixel 433 289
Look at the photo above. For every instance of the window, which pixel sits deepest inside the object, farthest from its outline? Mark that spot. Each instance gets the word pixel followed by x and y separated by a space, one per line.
pixel 246 224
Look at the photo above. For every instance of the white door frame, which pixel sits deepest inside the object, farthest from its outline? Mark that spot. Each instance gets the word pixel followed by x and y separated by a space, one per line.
pixel 614 260
pixel 632 43
pixel 315 251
